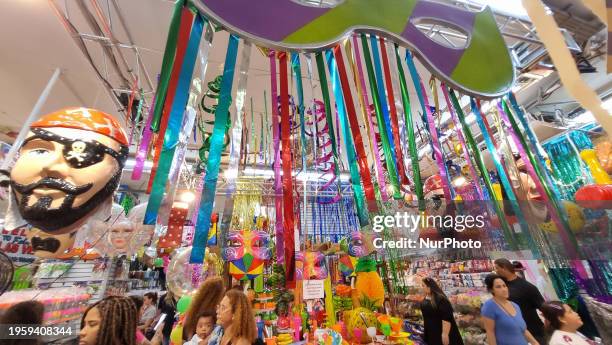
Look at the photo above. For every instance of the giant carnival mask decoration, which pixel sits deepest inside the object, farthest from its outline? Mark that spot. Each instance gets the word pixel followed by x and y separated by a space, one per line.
pixel 246 251
pixel 69 166
pixel 482 67
pixel 312 265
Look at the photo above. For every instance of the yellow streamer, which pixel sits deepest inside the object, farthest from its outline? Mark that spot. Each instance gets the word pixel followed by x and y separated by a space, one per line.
pixel 549 34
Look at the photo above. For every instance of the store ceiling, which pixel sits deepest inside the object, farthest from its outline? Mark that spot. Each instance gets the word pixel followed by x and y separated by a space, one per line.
pixel 35 43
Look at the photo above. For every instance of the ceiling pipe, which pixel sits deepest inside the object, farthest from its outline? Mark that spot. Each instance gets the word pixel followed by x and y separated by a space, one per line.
pixel 115 43
pixel 131 42
pixel 71 30
pixel 107 49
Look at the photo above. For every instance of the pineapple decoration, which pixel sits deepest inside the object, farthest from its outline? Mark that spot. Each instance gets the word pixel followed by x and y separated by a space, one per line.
pixel 361 318
pixel 368 283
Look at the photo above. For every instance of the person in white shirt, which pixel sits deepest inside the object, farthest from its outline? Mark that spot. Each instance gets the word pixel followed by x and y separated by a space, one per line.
pixel 204 328
pixel 564 322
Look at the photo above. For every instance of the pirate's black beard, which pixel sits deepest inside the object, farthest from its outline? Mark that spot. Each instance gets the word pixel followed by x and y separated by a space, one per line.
pixel 49 220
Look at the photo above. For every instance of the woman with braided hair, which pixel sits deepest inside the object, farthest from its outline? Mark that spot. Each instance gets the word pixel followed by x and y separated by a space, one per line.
pixel 111 321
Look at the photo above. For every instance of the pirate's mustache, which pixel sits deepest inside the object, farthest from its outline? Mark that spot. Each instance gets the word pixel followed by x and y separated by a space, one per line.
pixel 53 183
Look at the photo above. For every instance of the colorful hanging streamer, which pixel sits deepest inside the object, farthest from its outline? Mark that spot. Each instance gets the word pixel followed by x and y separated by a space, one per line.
pixel 143 148
pixel 466 152
pixel 181 48
pixel 362 92
pixel 348 139
pixel 364 169
pixel 214 158
pixel 435 143
pixel 508 232
pixel 507 185
pixel 278 187
pixel 381 123
pixel 288 212
pixel 569 242
pixel 380 84
pixel 414 156
pixel 393 112
pixel 176 21
pixel 174 122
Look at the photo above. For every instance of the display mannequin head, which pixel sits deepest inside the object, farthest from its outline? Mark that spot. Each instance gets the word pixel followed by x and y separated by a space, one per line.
pixel 69 164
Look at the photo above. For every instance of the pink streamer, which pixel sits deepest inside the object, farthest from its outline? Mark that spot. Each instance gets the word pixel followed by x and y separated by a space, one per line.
pixel 365 99
pixel 278 187
pixel 141 156
pixel 466 154
pixel 435 143
pixel 523 154
pixel 326 158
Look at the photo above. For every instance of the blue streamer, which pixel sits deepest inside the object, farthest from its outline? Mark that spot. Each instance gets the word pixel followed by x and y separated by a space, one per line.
pixel 177 112
pixel 537 149
pixel 214 156
pixel 502 175
pixel 383 97
pixel 347 136
pixel 416 80
pixel 297 73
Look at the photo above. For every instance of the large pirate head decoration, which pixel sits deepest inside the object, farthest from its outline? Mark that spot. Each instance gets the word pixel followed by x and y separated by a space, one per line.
pixel 69 165
pixel 246 251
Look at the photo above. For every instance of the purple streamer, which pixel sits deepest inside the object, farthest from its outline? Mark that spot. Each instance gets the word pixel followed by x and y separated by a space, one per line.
pixel 366 104
pixel 278 187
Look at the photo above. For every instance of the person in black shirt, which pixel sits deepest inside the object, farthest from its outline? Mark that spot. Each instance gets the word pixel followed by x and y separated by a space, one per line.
pixel 440 325
pixel 167 305
pixel 526 295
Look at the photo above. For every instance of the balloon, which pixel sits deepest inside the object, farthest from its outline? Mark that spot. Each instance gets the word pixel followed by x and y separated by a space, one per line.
pixel 599 174
pixel 575 217
pixel 458 149
pixel 594 196
pixel 158 262
pixel 176 337
pixel 183 303
pixel 183 278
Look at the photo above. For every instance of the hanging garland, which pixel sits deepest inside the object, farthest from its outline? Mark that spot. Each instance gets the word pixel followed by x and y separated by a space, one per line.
pixel 214 88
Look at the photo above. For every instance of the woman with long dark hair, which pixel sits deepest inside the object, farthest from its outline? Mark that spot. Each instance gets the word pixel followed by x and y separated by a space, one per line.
pixel 563 323
pixel 440 325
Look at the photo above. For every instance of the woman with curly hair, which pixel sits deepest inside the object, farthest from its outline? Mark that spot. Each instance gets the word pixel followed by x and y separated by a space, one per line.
pixel 236 320
pixel 206 300
pixel 111 321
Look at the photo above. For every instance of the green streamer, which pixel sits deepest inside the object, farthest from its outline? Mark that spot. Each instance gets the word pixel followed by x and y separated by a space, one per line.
pixel 414 155
pixel 508 234
pixel 328 111
pixel 381 122
pixel 555 202
pixel 348 141
pixel 167 63
pixel 297 73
